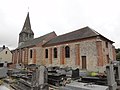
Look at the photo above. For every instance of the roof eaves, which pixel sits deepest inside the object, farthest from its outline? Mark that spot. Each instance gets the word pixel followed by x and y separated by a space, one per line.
pixel 107 39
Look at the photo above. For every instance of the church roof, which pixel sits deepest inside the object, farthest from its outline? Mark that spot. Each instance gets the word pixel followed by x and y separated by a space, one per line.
pixel 36 41
pixel 79 34
pixel 27 26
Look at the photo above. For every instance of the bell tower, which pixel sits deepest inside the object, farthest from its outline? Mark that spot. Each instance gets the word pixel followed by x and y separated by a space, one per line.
pixel 26 33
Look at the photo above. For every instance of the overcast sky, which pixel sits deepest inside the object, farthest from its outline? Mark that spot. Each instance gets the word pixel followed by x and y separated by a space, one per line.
pixel 61 16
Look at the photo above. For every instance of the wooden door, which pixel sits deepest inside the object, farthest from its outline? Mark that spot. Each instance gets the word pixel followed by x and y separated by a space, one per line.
pixel 84 65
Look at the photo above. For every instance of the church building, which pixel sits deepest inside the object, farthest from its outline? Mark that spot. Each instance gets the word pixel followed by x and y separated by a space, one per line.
pixel 84 48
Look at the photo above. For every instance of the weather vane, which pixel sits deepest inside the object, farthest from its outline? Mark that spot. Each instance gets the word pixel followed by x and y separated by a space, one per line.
pixel 28 8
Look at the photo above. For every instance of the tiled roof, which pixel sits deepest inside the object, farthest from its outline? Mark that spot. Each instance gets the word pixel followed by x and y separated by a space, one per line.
pixel 82 33
pixel 35 41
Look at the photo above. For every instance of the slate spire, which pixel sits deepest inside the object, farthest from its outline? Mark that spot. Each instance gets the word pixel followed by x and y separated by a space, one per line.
pixel 26 33
pixel 27 25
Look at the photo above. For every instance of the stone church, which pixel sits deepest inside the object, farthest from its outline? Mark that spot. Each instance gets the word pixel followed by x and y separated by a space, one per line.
pixel 84 48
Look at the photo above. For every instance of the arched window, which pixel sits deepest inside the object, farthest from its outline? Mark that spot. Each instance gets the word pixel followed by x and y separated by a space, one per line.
pixel 67 51
pixel 31 52
pixel 55 52
pixel 46 53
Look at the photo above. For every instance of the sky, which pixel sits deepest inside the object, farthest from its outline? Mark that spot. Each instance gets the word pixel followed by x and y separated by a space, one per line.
pixel 61 16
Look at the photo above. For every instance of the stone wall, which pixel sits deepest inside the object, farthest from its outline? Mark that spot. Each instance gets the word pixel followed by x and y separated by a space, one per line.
pixel 94 49
pixel 87 48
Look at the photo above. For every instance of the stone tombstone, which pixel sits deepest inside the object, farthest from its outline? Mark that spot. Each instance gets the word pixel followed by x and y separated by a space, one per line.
pixel 18 66
pixel 75 73
pixel 111 77
pixel 117 72
pixel 5 64
pixel 41 75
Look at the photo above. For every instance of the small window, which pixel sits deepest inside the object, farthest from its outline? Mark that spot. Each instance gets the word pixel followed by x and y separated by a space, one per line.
pixel 46 53
pixel 55 52
pixel 107 56
pixel 106 44
pixel 6 52
pixel 31 53
pixel 67 52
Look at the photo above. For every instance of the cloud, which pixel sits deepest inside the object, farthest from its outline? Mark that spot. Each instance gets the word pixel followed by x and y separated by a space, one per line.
pixel 61 16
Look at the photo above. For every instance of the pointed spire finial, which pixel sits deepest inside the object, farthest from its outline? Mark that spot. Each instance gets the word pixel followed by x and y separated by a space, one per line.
pixel 28 8
pixel 27 25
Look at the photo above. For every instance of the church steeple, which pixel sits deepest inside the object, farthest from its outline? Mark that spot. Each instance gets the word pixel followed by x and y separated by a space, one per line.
pixel 26 33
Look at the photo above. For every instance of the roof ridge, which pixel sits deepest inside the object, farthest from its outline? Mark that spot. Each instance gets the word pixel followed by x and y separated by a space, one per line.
pixel 1 48
pixel 45 35
pixel 95 31
pixel 73 31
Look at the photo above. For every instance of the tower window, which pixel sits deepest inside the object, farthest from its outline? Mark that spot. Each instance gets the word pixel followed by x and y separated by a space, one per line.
pixel 46 53
pixel 55 52
pixel 6 52
pixel 67 52
pixel 31 53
